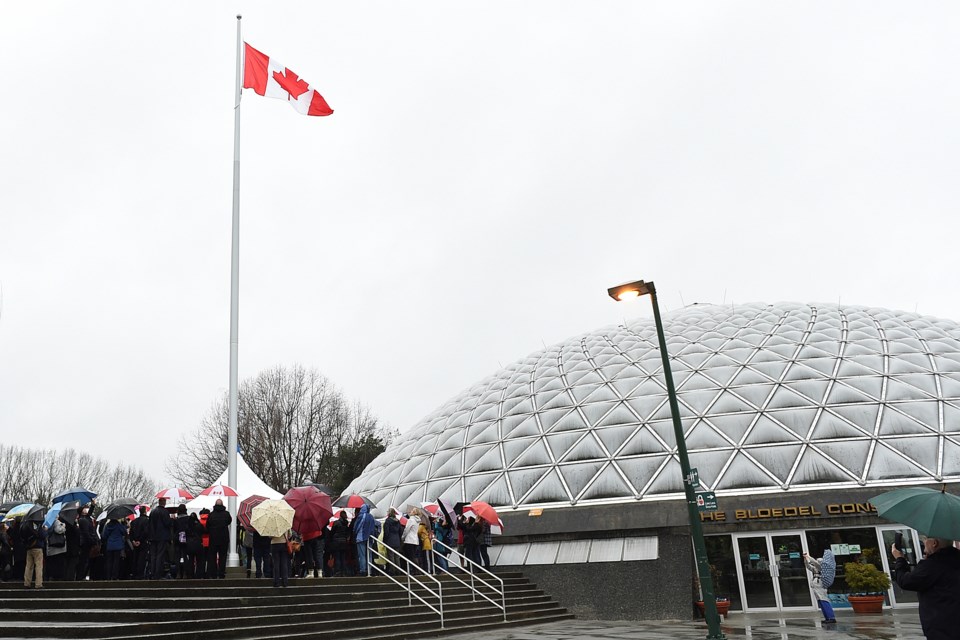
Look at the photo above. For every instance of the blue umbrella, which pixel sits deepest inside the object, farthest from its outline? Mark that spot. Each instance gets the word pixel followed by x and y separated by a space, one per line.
pixel 81 495
pixel 20 511
pixel 52 515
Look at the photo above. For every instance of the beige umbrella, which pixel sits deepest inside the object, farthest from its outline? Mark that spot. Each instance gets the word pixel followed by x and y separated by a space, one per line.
pixel 272 518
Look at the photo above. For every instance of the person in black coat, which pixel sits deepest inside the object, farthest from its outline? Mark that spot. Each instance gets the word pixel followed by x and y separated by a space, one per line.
pixel 181 531
pixel 88 540
pixel 261 556
pixel 73 547
pixel 161 528
pixel 6 554
pixel 218 528
pixel 392 532
pixel 19 551
pixel 339 543
pixel 936 580
pixel 140 538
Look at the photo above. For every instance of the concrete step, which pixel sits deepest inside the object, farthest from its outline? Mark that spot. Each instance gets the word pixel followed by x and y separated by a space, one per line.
pixel 211 602
pixel 238 610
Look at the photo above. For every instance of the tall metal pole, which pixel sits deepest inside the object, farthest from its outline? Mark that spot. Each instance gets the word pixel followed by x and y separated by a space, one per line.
pixel 696 530
pixel 233 557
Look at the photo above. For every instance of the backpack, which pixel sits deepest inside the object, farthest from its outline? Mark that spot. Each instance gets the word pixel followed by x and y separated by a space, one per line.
pixel 828 569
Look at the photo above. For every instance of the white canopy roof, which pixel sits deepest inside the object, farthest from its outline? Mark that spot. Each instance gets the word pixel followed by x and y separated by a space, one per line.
pixel 248 484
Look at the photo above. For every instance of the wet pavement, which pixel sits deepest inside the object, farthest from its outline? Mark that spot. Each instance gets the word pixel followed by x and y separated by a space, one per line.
pixel 902 624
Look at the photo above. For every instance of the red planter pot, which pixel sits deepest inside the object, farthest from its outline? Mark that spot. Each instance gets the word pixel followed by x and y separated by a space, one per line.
pixel 866 604
pixel 723 606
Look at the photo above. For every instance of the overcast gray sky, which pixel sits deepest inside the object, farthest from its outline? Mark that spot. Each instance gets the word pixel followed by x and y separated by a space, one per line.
pixel 489 170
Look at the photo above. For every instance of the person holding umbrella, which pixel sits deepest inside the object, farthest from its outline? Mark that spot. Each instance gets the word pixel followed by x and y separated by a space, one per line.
pixel 56 550
pixel 32 537
pixel 89 540
pixel 339 544
pixel 115 537
pixel 936 580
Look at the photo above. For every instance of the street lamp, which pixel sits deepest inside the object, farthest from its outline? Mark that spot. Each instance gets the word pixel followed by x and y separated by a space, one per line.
pixel 629 291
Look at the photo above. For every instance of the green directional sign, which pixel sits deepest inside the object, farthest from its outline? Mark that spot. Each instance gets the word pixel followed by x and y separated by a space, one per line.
pixel 706 501
pixel 693 479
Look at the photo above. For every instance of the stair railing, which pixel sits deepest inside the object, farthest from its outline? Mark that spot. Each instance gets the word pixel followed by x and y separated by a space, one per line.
pixel 411 581
pixel 471 569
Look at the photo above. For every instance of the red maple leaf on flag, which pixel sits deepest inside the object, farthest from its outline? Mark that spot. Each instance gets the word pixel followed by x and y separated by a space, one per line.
pixel 291 83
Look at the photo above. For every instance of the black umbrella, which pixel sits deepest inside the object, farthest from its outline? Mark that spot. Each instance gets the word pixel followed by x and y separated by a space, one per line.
pixel 127 500
pixel 458 508
pixel 443 508
pixel 327 489
pixel 69 510
pixel 119 511
pixel 36 514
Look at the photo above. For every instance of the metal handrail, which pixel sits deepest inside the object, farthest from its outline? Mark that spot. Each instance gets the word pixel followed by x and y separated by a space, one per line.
pixel 408 587
pixel 476 591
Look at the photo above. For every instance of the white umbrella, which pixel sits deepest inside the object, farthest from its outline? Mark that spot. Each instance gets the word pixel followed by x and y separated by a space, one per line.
pixel 272 518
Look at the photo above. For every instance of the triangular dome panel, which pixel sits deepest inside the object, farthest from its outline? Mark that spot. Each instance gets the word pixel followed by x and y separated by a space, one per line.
pixel 608 484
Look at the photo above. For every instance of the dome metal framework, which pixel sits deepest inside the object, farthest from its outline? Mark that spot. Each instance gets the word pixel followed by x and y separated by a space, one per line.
pixel 772 398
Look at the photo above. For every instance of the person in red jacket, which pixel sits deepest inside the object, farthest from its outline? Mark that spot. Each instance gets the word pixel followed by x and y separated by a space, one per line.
pixel 205 543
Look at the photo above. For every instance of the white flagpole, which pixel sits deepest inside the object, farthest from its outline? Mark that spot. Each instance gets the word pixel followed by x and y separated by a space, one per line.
pixel 232 555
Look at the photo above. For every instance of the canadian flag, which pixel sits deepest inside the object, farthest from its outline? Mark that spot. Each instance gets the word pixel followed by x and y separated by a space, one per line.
pixel 269 78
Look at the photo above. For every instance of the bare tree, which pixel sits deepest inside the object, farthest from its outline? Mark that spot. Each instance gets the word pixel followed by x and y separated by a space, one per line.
pixel 293 427
pixel 38 475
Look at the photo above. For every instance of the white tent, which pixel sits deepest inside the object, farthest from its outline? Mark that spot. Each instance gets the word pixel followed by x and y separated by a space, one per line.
pixel 248 484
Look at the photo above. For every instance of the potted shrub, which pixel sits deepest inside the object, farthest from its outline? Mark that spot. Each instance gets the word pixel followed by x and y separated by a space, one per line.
pixel 867 587
pixel 723 602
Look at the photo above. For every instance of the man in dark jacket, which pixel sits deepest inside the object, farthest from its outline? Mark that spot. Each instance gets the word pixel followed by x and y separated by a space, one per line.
pixel 936 580
pixel 73 547
pixel 392 530
pixel 32 537
pixel 161 528
pixel 339 544
pixel 218 528
pixel 140 538
pixel 88 540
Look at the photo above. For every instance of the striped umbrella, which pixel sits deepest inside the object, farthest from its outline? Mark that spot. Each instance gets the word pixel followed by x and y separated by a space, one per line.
pixel 220 491
pixel 174 494
pixel 353 501
pixel 245 511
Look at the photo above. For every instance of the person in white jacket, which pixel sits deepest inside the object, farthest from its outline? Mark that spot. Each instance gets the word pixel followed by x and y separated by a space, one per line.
pixel 411 539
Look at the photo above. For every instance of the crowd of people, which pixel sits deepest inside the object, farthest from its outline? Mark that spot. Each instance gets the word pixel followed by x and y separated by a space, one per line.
pixel 155 544
pixel 170 543
pixel 365 546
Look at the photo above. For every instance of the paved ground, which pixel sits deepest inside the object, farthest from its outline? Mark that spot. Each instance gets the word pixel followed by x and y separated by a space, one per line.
pixel 904 624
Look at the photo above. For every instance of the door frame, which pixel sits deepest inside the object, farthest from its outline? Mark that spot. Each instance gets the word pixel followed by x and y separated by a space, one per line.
pixel 888 566
pixel 768 537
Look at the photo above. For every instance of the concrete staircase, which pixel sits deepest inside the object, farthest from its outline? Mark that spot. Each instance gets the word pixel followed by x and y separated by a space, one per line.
pixel 251 609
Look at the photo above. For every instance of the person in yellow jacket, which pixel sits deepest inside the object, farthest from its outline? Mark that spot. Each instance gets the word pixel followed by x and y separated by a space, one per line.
pixel 426 545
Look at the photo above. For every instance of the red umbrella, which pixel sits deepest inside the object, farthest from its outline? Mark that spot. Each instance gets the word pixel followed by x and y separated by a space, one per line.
pixel 312 509
pixel 245 510
pixel 353 501
pixel 485 511
pixel 220 491
pixel 175 494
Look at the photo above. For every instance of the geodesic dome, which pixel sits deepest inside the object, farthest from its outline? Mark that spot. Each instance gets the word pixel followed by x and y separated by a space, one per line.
pixel 772 397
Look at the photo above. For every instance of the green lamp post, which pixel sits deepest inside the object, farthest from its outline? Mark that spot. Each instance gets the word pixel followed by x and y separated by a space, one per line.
pixel 634 290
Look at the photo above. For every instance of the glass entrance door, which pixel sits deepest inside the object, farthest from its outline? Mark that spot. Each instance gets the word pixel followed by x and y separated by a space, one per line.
pixel 772 570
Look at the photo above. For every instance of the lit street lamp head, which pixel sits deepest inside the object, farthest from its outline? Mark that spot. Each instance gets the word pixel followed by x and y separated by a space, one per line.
pixel 630 290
